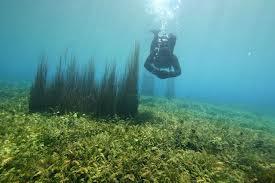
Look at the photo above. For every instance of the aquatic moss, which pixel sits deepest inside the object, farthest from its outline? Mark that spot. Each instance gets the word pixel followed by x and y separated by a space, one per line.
pixel 193 143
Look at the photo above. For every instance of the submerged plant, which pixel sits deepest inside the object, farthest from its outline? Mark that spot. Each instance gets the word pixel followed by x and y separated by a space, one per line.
pixel 89 89
pixel 37 99
pixel 128 97
pixel 107 92
pixel 72 87
pixel 73 91
pixel 56 90
pixel 182 145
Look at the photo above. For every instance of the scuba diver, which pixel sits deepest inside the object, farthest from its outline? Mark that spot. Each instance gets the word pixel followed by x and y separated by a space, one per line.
pixel 161 61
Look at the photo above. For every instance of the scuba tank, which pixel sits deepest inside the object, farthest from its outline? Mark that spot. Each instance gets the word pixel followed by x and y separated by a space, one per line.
pixel 162 51
pixel 162 48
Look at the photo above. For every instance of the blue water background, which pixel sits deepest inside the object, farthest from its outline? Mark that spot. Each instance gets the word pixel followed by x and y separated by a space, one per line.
pixel 226 48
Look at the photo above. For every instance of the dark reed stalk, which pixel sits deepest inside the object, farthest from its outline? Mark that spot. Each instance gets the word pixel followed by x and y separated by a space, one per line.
pixel 107 92
pixel 89 89
pixel 37 102
pixel 128 98
pixel 56 91
pixel 71 93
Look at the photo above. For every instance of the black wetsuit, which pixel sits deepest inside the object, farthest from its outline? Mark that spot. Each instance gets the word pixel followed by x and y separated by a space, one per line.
pixel 161 61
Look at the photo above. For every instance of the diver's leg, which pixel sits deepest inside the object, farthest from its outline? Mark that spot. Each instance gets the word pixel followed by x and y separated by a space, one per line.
pixel 149 64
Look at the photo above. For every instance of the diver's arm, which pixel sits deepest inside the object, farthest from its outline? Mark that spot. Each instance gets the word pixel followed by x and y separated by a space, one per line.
pixel 148 64
pixel 172 42
pixel 176 66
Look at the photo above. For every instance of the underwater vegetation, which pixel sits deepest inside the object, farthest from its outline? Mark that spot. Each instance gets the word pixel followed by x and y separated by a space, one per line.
pixel 127 104
pixel 38 90
pixel 173 140
pixel 73 91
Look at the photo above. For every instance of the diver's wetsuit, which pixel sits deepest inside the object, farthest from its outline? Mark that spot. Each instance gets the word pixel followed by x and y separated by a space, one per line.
pixel 161 61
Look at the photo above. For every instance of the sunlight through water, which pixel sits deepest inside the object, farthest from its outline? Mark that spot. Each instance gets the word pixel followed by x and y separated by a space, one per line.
pixel 163 10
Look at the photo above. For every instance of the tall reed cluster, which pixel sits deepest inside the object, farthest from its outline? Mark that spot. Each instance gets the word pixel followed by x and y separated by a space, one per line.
pixel 38 94
pixel 75 90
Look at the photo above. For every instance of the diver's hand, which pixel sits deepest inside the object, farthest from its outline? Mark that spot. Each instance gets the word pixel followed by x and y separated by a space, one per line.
pixel 155 71
pixel 163 74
